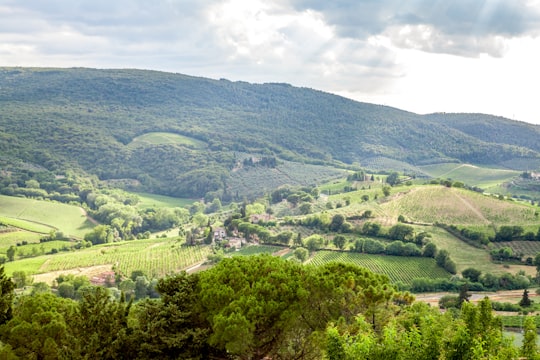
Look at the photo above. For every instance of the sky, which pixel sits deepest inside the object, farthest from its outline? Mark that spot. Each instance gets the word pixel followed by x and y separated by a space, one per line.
pixel 422 56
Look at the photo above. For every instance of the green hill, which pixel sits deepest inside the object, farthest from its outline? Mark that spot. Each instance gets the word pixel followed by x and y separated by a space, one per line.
pixel 107 122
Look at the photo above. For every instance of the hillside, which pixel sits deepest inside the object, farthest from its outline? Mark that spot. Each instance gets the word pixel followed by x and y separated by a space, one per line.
pixel 92 121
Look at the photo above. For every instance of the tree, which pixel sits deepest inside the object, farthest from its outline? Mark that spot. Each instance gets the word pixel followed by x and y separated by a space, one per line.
pixel 301 254
pixel 6 297
pixel 21 279
pixel 337 222
pixel 525 300
pixel 529 349
pixel 306 208
pixel 472 274
pixel 464 295
pixel 429 250
pixel 386 190
pixel 536 262
pixel 98 328
pixel 313 242
pixel 401 232
pixel 339 241
pixel 11 251
pixel 393 179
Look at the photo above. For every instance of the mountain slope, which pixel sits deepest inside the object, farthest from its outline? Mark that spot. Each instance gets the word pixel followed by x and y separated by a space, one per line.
pixel 86 118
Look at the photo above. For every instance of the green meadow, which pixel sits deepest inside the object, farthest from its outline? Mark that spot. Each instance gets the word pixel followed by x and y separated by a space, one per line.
pixel 470 174
pixel 147 200
pixel 44 216
pixel 165 138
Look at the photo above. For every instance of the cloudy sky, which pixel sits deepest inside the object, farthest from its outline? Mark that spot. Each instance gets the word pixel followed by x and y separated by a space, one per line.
pixel 419 55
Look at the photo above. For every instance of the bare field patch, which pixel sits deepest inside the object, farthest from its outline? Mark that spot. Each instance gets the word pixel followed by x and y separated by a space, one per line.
pixel 89 272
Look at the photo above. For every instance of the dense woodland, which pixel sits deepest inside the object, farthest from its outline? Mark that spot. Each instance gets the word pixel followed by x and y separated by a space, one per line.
pixel 85 120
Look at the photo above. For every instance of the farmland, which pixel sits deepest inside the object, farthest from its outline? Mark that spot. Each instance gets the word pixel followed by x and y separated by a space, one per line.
pixel 430 204
pixel 526 248
pixel 156 258
pixel 43 216
pixel 470 174
pixel 397 268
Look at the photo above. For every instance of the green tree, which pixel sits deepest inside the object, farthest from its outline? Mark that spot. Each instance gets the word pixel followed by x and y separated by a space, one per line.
pixel 173 327
pixel 314 242
pixel 529 348
pixel 21 279
pixel 98 328
pixel 337 222
pixel 11 251
pixel 301 254
pixel 6 297
pixel 393 179
pixel 471 274
pixel 429 250
pixel 339 241
pixel 401 232
pixel 525 300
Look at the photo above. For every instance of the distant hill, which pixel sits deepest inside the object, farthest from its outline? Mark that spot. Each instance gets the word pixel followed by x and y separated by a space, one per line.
pixel 87 119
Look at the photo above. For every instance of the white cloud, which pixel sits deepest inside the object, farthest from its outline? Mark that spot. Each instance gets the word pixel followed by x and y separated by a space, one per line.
pixel 420 55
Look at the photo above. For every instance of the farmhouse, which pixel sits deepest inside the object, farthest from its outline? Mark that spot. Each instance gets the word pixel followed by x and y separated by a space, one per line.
pixel 219 234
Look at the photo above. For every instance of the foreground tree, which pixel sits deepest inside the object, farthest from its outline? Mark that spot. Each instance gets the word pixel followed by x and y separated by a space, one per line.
pixel 6 297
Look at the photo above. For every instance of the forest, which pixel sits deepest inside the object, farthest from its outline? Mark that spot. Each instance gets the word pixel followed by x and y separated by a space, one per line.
pixel 252 308
pixel 88 121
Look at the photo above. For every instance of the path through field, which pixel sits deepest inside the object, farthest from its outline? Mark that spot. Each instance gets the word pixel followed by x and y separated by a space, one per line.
pixel 473 209
pixel 91 219
pixel 512 296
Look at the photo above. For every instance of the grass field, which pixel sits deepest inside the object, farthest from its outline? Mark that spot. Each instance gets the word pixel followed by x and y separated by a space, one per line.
pixel 466 256
pixel 27 225
pixel 48 215
pixel 397 268
pixel 8 239
pixel 163 138
pixel 157 201
pixel 470 174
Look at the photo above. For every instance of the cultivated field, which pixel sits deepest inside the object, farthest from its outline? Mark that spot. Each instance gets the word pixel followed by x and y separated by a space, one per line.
pixel 430 204
pixel 156 258
pixel 527 248
pixel 466 256
pixel 44 216
pixel 397 268
pixel 470 174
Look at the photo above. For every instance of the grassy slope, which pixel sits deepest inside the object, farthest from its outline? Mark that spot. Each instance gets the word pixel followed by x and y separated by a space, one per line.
pixel 66 218
pixel 157 201
pixel 470 174
pixel 429 204
pixel 163 138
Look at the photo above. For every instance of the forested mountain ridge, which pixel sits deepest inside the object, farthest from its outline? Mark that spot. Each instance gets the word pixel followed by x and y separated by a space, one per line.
pixel 87 119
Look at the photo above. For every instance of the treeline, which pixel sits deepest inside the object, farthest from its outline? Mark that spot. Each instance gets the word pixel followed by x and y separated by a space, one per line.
pixel 504 233
pixel 252 308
